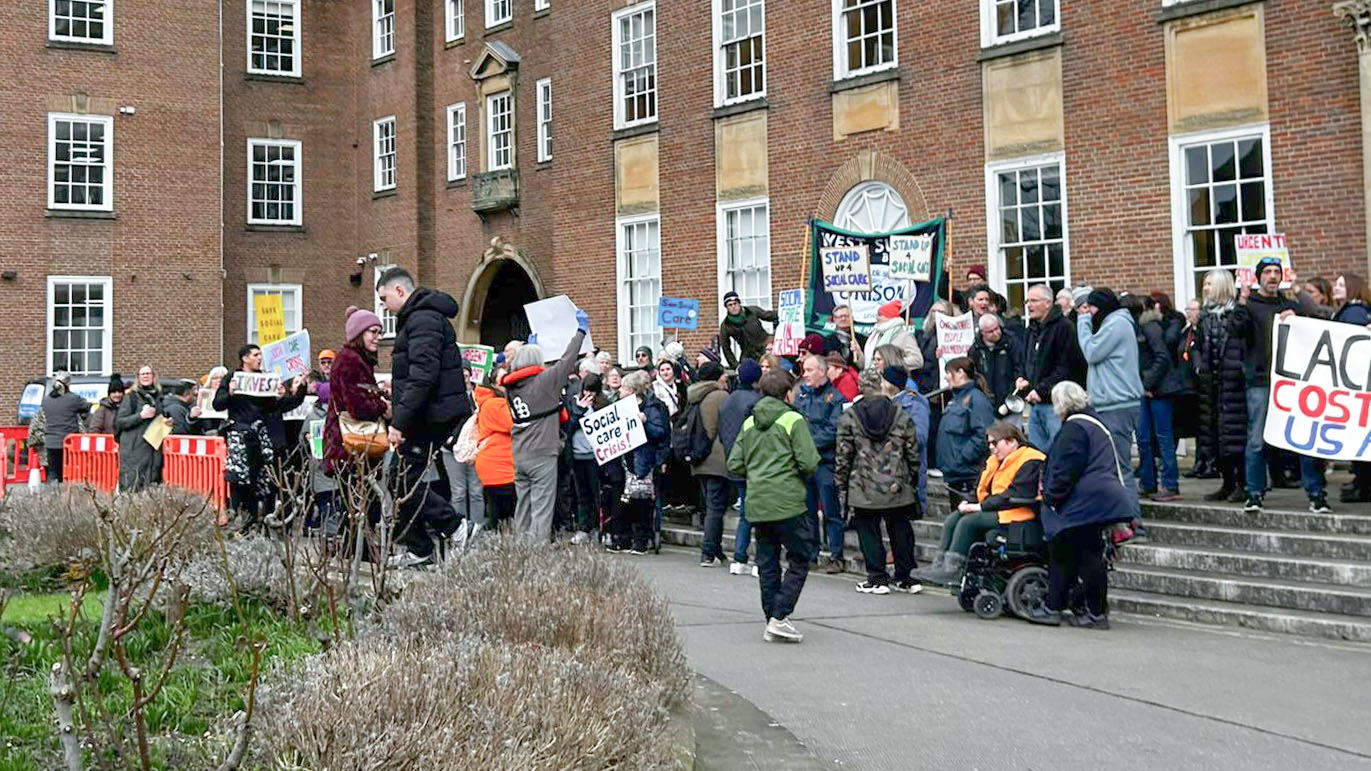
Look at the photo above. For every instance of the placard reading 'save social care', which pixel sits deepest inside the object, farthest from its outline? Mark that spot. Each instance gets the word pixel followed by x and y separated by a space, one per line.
pixel 614 430
pixel 846 268
pixel 678 313
pixel 1320 399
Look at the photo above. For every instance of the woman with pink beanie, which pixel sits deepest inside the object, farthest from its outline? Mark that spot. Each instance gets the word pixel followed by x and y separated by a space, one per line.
pixel 352 385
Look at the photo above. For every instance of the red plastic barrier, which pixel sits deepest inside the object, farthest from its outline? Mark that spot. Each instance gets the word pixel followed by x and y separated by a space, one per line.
pixel 91 458
pixel 196 463
pixel 14 441
pixel 4 458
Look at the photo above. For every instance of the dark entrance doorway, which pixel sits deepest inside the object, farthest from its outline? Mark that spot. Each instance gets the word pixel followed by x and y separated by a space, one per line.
pixel 502 314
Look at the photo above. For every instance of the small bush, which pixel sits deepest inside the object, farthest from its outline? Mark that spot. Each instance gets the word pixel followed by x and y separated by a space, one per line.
pixel 255 566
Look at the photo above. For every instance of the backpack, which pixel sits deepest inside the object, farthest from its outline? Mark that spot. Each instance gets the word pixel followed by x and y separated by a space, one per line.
pixel 689 441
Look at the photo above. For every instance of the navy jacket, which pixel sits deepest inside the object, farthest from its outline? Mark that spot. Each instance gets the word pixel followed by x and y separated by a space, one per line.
pixel 1082 483
pixel 735 409
pixel 821 408
pixel 658 447
pixel 1354 312
pixel 961 434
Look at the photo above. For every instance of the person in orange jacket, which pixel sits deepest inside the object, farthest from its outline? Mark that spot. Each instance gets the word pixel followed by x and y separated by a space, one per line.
pixel 495 454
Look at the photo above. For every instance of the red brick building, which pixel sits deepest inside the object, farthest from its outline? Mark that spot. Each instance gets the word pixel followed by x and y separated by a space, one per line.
pixel 618 152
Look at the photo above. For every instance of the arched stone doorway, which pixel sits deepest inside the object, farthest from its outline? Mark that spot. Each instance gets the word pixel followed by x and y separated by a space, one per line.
pixel 493 306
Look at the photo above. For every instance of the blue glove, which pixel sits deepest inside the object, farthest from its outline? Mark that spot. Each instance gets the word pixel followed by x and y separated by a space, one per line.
pixel 532 338
pixel 583 321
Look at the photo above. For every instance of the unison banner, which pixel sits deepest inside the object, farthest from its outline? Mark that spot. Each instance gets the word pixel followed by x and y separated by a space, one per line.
pixel 913 245
pixel 1320 401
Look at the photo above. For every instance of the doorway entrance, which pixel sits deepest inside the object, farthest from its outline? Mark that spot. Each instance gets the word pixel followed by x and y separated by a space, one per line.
pixel 502 310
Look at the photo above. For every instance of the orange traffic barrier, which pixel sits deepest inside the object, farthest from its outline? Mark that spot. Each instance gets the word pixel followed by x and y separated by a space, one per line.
pixel 196 463
pixel 91 458
pixel 14 444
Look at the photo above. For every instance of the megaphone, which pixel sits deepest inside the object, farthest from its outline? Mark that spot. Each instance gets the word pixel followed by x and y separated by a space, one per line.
pixel 1013 403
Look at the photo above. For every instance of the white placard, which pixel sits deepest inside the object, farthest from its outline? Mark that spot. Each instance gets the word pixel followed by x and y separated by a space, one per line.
pixel 206 403
pixel 1320 401
pixel 288 356
pixel 554 322
pixel 956 335
pixel 614 430
pixel 846 268
pixel 256 383
pixel 790 324
pixel 911 257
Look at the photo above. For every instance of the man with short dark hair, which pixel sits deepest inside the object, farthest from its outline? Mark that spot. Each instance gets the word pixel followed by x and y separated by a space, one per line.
pixel 743 325
pixel 822 406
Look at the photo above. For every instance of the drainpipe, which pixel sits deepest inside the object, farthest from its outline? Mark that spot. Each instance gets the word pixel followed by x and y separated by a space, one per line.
pixel 223 274
pixel 1357 15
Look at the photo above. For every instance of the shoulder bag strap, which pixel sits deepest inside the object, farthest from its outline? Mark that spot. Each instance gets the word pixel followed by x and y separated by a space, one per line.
pixel 1118 468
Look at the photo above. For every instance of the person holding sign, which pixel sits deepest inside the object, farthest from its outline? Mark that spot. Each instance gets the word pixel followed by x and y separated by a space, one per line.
pixel 248 433
pixel 632 516
pixel 743 325
pixel 1353 298
pixel 891 329
pixel 140 464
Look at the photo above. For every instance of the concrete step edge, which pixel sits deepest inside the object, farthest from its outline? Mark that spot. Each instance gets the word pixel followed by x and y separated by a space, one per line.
pixel 1217 612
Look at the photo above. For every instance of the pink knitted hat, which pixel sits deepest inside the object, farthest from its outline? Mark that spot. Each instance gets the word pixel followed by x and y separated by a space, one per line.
pixel 358 321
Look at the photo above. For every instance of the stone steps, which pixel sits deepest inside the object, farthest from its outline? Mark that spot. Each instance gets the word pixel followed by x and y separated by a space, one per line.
pixel 1265 619
pixel 1349 519
pixel 1249 539
pixel 1269 592
pixel 1248 564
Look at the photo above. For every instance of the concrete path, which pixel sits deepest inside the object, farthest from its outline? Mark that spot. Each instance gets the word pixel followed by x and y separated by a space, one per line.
pixel 899 682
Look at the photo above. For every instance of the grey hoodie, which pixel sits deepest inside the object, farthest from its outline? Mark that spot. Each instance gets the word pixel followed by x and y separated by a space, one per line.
pixel 540 392
pixel 1112 355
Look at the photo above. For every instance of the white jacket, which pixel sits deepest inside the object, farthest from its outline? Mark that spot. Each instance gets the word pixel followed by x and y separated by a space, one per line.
pixel 894 332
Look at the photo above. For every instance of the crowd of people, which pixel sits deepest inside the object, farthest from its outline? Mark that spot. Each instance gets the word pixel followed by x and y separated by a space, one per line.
pixel 1035 424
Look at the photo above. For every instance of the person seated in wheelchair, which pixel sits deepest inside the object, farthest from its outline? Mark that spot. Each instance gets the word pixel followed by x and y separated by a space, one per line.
pixel 1007 494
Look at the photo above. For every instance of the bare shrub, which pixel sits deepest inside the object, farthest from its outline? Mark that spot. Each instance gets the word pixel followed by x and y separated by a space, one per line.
pixel 255 568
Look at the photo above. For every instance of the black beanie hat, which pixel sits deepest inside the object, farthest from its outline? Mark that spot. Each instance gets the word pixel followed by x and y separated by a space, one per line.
pixel 116 383
pixel 895 375
pixel 710 370
pixel 731 295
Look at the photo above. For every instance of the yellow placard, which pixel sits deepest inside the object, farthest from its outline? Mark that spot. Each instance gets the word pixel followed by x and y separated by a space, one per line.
pixel 271 318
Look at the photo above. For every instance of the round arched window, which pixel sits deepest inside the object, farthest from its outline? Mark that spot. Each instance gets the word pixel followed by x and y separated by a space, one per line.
pixel 872 207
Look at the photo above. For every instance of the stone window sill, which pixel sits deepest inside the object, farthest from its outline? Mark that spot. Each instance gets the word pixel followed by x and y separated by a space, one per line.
pixel 264 228
pixel 501 27
pixel 377 195
pixel 1196 7
pixel 387 59
pixel 738 108
pixel 73 45
pixel 76 214
pixel 453 184
pixel 1039 43
pixel 636 131
pixel 263 77
pixel 869 79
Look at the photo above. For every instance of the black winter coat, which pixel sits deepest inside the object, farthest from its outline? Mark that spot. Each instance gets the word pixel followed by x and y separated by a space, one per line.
pixel 1053 354
pixel 1000 363
pixel 1220 386
pixel 928 376
pixel 748 333
pixel 430 397
pixel 1252 322
pixel 1157 366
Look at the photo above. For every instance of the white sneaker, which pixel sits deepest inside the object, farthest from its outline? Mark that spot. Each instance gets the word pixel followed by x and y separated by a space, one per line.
pixel 737 569
pixel 406 559
pixel 935 473
pixel 781 630
pixel 866 587
pixel 581 537
pixel 754 571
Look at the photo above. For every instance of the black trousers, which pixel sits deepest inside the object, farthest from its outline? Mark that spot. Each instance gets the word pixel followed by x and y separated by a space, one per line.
pixel 500 502
pixel 1077 553
pixel 55 465
pixel 867 523
pixel 798 536
pixel 585 477
pixel 427 512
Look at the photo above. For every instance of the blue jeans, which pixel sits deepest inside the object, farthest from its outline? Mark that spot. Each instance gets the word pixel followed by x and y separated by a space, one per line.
pixel 821 487
pixel 744 535
pixel 1154 422
pixel 1311 469
pixel 714 490
pixel 1123 425
pixel 800 541
pixel 1043 425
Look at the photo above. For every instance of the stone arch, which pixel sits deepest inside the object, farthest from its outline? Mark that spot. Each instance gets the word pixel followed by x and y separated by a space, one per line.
pixel 877 165
pixel 497 266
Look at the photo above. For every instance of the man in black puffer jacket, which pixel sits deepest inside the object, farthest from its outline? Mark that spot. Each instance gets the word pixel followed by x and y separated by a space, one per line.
pixel 428 396
pixel 1053 355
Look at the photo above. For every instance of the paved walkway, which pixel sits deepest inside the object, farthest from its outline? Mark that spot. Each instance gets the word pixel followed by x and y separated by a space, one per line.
pixel 913 682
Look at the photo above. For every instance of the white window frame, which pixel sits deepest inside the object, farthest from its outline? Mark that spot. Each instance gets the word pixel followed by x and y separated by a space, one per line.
pixel 721 211
pixel 721 97
pixel 298 185
pixel 107 349
pixel 107 185
pixel 616 41
pixel 624 310
pixel 106 39
pixel 378 181
pixel 542 5
pixel 492 8
pixel 293 291
pixel 988 17
pixel 454 20
pixel 1182 265
pixel 379 308
pixel 544 88
pixel 294 70
pixel 841 69
pixel 491 163
pixel 379 33
pixel 457 119
pixel 999 278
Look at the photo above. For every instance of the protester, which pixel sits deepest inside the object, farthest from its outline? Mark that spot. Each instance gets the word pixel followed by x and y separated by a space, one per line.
pixel 535 402
pixel 848 342
pixel 642 358
pixel 668 388
pixel 1159 336
pixel 211 381
pixel 1353 298
pixel 1064 301
pixel 1084 492
pixel 775 453
pixel 495 455
pixel 613 379
pixel 327 515
pixel 102 416
pixel 841 375
pixel 1109 343
pixel 770 362
pixel 876 469
pixel 743 326
pixel 326 359
pixel 1188 414
pixel 736 409
pixel 179 405
pixel 633 521
pixel 1006 493
pixel 899 387
pixel 468 499
pixel 1320 300
pixel 821 405
pixel 1052 355
pixel 585 472
pixel 1221 388
pixel 979 299
pixel 708 396
pixel 961 430
pixel 353 392
pixel 998 356
pixel 251 450
pixel 64 412
pixel 1251 322
pixel 140 463
pixel 891 329
pixel 604 361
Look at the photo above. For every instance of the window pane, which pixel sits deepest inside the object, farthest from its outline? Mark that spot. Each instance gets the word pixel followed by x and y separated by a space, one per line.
pixel 1197 165
pixel 1225 203
pixel 1253 201
pixel 1223 163
pixel 1250 151
pixel 1199 206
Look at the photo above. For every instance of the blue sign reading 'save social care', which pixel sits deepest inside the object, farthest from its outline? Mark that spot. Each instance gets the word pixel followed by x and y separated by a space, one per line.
pixel 678 313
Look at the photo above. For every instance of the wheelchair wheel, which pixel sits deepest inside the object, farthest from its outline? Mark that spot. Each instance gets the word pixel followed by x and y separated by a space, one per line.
pixel 1027 589
pixel 989 605
pixel 967 599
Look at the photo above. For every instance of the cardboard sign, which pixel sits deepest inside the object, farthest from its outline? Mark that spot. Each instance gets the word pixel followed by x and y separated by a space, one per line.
pixel 554 322
pixel 678 313
pixel 790 324
pixel 316 439
pixel 271 318
pixel 256 383
pixel 614 430
pixel 1320 399
pixel 301 412
pixel 206 403
pixel 482 361
pixel 911 257
pixel 1252 248
pixel 846 268
pixel 288 356
pixel 956 334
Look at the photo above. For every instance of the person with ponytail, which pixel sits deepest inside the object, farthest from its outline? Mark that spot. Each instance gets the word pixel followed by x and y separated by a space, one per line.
pixel 961 432
pixel 64 411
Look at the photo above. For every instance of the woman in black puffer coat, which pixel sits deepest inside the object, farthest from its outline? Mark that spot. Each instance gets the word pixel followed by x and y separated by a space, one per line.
pixel 1221 388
